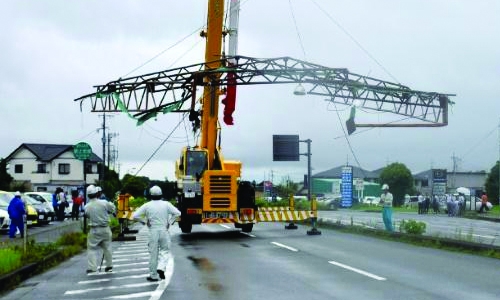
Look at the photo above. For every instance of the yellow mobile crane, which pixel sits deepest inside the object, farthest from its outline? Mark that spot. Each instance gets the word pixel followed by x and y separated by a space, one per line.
pixel 209 186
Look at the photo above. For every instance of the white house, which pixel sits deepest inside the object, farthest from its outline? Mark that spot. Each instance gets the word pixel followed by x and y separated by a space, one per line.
pixel 47 166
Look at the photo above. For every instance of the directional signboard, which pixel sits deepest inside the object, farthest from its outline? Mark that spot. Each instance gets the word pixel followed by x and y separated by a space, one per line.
pixel 439 180
pixel 286 148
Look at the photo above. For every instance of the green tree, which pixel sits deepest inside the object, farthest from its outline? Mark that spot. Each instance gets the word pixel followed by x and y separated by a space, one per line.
pixel 399 179
pixel 491 184
pixel 286 188
pixel 134 185
pixel 167 187
pixel 5 178
pixel 111 184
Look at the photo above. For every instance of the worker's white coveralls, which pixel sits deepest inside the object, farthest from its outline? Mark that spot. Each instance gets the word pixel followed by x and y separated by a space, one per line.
pixel 157 214
pixel 99 236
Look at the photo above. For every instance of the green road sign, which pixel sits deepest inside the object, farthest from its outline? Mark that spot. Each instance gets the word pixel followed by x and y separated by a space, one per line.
pixel 82 151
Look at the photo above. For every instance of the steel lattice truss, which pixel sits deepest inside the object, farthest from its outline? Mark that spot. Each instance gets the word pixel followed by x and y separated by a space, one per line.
pixel 169 90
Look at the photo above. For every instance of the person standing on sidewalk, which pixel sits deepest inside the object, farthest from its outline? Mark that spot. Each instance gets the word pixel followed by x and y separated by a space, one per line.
pixel 62 203
pixel 386 202
pixel 99 236
pixel 77 201
pixel 157 215
pixel 484 202
pixel 17 213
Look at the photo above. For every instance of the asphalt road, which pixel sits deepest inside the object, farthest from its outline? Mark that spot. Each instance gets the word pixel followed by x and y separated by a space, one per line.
pixel 218 262
pixel 478 231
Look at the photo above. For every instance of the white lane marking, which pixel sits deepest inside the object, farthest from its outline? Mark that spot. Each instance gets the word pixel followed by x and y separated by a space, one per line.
pixel 132 244
pixel 128 270
pixel 131 264
pixel 285 246
pixel 249 234
pixel 129 259
pixel 132 247
pixel 229 227
pixel 129 296
pixel 169 271
pixel 128 255
pixel 112 278
pixel 112 287
pixel 131 251
pixel 356 270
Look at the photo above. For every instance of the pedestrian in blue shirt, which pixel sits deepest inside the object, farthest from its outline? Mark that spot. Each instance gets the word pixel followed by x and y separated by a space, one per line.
pixel 17 214
pixel 55 205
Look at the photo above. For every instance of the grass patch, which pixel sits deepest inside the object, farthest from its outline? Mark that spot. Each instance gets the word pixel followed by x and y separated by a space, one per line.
pixel 10 259
pixel 47 255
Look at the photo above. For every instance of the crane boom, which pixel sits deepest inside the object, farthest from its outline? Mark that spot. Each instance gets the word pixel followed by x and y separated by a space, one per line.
pixel 159 92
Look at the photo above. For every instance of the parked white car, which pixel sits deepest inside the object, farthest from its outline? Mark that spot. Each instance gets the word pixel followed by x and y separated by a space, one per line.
pixel 40 196
pixel 371 200
pixel 4 221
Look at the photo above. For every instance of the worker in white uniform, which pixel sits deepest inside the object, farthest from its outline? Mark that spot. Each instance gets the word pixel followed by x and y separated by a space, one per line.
pixel 386 202
pixel 99 236
pixel 158 215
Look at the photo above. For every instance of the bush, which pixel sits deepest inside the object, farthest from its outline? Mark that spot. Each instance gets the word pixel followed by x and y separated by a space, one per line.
pixel 73 239
pixel 136 202
pixel 413 227
pixel 10 259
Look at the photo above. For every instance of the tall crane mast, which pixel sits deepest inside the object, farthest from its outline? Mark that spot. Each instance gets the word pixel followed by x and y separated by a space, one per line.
pixel 209 186
pixel 211 93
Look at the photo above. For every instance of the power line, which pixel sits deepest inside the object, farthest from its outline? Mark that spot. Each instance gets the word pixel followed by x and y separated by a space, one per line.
pixel 162 52
pixel 161 145
pixel 348 142
pixel 355 41
pixel 297 29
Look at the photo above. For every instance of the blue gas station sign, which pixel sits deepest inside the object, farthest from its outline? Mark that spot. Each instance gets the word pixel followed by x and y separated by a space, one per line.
pixel 346 188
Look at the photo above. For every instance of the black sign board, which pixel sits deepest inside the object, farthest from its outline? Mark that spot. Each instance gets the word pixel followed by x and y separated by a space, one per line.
pixel 286 148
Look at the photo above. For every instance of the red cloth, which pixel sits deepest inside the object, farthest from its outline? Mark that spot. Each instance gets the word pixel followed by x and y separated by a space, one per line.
pixel 78 200
pixel 230 100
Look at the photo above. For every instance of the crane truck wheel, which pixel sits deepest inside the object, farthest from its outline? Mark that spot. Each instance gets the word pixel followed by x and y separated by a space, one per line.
pixel 185 227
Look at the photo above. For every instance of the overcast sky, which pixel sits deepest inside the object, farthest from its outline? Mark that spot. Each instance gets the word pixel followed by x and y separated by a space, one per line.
pixel 55 51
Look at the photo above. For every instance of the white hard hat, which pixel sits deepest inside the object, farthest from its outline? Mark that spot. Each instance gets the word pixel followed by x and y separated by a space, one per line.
pixel 155 191
pixel 91 190
pixel 385 186
pixel 17 193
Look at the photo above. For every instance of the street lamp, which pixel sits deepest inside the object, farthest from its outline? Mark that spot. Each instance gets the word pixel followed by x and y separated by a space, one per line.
pixel 299 90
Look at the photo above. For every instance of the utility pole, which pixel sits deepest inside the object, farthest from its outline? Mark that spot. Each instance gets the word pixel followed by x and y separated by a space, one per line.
pixel 110 136
pixel 115 158
pixel 455 160
pixel 103 146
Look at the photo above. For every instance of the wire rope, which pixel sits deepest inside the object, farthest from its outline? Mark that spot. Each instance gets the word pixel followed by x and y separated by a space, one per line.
pixel 297 29
pixel 158 148
pixel 354 40
pixel 348 142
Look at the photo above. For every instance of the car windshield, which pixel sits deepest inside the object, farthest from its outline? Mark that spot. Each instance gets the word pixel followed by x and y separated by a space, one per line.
pixel 3 202
pixel 30 200
pixel 37 197
pixel 5 199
